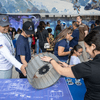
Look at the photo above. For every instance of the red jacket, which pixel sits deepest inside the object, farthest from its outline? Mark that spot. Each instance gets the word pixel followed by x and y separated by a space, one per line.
pixel 33 40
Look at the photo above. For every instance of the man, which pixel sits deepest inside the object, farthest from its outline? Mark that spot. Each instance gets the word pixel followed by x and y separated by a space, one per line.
pixel 7 59
pixel 23 54
pixel 48 26
pixel 97 27
pixel 83 31
pixel 75 35
pixel 59 23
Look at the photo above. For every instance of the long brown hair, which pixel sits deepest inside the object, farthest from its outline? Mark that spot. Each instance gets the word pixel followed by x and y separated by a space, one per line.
pixel 63 34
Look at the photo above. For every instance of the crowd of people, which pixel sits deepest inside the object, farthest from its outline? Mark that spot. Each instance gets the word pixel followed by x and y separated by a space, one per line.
pixel 77 48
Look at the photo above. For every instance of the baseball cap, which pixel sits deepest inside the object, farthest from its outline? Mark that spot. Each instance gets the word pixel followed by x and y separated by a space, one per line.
pixel 28 27
pixel 4 21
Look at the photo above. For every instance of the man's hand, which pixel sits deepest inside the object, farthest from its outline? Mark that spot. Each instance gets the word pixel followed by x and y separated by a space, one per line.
pixel 23 69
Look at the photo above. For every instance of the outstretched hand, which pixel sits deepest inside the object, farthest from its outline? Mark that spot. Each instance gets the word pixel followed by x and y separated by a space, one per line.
pixel 45 58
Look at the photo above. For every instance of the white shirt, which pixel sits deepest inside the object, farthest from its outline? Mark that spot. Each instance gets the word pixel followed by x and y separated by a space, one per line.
pixel 16 36
pixel 74 60
pixel 6 53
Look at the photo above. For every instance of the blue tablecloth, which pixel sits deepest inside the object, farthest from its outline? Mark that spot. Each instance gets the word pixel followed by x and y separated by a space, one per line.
pixel 20 89
pixel 77 92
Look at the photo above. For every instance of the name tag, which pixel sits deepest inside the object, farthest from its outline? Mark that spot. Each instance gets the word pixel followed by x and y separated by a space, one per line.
pixel 81 26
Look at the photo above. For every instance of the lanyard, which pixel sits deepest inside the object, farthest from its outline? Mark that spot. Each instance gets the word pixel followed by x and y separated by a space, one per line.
pixel 10 41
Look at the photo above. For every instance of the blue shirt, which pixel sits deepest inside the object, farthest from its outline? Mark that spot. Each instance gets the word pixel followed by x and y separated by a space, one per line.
pixel 22 48
pixel 62 43
pixel 75 39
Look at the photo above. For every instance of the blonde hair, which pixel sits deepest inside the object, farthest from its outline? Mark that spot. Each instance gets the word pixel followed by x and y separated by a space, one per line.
pixel 63 34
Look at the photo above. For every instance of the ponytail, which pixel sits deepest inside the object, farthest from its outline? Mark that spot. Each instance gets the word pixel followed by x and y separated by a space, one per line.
pixel 76 47
pixel 72 51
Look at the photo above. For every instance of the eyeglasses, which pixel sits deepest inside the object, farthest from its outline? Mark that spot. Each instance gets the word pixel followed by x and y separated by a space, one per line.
pixel 80 52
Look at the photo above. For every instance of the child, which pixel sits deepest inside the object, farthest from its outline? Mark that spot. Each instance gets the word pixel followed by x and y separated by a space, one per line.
pixel 23 53
pixel 33 44
pixel 73 59
pixel 51 39
pixel 75 52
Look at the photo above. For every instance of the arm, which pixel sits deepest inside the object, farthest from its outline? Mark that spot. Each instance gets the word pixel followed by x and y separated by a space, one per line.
pixel 47 36
pixel 86 32
pixel 81 70
pixel 48 40
pixel 66 71
pixel 23 60
pixel 61 51
pixel 64 64
pixel 6 53
pixel 70 38
pixel 13 34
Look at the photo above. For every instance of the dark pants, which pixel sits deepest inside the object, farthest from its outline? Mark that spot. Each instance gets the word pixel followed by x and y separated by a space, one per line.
pixel 22 76
pixel 42 48
pixel 20 73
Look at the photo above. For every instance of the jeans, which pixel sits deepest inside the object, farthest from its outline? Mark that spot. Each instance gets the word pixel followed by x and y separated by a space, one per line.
pixel 30 42
pixel 37 47
pixel 5 74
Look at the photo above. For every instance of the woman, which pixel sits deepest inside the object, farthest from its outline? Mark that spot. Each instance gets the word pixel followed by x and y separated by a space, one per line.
pixel 89 71
pixel 61 49
pixel 19 31
pixel 43 35
pixel 12 32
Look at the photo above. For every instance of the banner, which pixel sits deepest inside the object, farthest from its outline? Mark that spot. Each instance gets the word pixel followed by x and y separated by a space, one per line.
pixel 63 7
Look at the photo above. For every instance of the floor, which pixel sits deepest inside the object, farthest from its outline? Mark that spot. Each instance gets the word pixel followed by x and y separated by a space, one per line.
pixel 14 73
